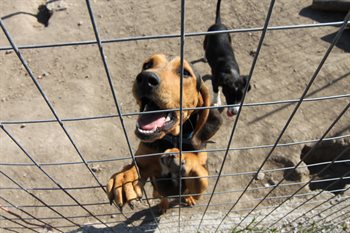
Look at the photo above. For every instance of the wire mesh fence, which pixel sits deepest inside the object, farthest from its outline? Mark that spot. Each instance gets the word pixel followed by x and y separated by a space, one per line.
pixel 277 193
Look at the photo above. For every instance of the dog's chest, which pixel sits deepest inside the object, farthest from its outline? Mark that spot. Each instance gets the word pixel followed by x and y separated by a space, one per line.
pixel 168 183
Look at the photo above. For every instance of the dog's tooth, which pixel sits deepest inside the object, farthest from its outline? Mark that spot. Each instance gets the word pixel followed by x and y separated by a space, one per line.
pixel 168 118
pixel 146 107
pixel 147 131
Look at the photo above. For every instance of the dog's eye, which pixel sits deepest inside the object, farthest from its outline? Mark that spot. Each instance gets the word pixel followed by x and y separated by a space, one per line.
pixel 186 73
pixel 147 65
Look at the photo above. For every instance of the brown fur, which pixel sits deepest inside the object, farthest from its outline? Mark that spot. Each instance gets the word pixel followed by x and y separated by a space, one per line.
pixel 192 165
pixel 125 185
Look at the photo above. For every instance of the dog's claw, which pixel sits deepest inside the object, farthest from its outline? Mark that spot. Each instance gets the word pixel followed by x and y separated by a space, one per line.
pixel 132 204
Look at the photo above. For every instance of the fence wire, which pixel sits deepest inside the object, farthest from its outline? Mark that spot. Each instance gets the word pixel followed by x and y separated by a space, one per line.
pixel 319 206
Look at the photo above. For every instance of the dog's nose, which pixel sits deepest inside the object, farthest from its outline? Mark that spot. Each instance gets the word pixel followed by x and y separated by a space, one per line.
pixel 148 80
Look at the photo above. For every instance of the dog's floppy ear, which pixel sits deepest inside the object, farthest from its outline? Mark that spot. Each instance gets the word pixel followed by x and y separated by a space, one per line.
pixel 203 101
pixel 245 81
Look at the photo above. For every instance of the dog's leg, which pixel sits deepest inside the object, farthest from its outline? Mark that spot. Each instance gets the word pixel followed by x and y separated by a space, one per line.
pixel 163 205
pixel 217 98
pixel 216 91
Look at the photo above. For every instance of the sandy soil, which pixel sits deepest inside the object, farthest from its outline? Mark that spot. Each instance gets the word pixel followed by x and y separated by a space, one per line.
pixel 74 80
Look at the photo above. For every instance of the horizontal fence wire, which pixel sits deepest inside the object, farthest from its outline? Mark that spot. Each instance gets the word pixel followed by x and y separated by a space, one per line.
pixel 308 86
pixel 111 85
pixel 46 225
pixel 286 169
pixel 240 108
pixel 168 36
pixel 306 156
pixel 38 199
pixel 86 118
pixel 20 224
pixel 120 115
pixel 284 197
pixel 193 219
pixel 53 111
pixel 156 154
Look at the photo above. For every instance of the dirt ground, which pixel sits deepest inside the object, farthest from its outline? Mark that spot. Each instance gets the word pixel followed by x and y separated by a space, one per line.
pixel 74 80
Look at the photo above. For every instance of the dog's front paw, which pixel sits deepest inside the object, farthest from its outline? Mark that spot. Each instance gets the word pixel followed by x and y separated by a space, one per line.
pixel 124 187
pixel 190 201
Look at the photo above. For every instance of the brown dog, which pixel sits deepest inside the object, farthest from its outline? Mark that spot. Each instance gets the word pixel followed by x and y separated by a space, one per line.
pixel 190 166
pixel 157 87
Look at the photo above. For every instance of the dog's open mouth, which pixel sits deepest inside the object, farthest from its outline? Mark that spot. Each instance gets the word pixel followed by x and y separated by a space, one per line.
pixel 150 126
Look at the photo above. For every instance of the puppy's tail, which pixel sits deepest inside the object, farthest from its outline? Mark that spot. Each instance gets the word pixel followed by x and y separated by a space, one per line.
pixel 218 17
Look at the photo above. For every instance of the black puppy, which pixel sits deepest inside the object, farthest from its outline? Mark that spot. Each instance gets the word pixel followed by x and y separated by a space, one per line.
pixel 224 68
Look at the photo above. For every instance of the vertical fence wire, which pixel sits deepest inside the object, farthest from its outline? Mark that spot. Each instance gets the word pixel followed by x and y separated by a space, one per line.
pixel 49 104
pixel 309 199
pixel 99 42
pixel 182 57
pixel 289 174
pixel 20 224
pixel 333 213
pixel 303 203
pixel 308 219
pixel 39 199
pixel 46 225
pixel 105 64
pixel 335 40
pixel 262 37
pixel 308 86
pixel 48 176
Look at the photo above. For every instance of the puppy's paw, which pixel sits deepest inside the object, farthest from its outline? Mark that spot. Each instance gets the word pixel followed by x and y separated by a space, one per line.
pixel 163 205
pixel 190 201
pixel 124 187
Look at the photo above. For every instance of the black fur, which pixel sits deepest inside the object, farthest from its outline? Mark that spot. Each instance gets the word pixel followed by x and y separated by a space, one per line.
pixel 224 67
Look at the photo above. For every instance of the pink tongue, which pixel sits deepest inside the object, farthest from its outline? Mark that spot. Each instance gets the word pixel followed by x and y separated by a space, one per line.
pixel 151 121
pixel 229 113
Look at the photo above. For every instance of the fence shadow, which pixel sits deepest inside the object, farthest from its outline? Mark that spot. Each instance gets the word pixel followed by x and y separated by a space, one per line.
pixel 326 152
pixel 308 95
pixel 147 223
pixel 329 16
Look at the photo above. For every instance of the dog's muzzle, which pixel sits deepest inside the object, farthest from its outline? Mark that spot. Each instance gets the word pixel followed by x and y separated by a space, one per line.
pixel 146 83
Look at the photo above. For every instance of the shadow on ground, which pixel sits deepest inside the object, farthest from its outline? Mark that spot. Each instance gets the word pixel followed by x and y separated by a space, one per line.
pixel 147 224
pixel 329 16
pixel 328 161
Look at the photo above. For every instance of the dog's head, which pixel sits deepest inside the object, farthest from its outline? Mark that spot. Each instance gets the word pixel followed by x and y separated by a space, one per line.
pixel 233 89
pixel 157 87
pixel 171 162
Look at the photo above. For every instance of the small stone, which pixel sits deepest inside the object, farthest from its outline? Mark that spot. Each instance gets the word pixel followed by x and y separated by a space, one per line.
pixel 96 168
pixel 271 181
pixel 44 74
pixel 113 216
pixel 22 126
pixel 260 176
pixel 333 201
pixel 8 52
pixel 252 53
pixel 80 23
pixel 86 76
